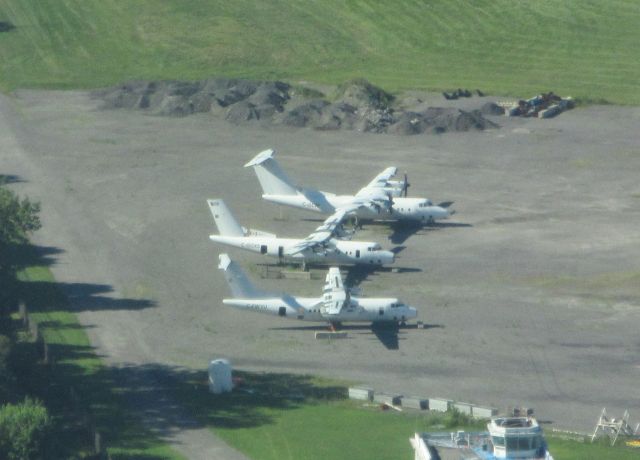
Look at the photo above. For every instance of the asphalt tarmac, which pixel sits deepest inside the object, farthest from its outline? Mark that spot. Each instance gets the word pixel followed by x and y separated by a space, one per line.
pixel 530 294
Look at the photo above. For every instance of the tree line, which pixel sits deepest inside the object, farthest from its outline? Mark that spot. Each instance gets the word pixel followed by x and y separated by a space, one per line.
pixel 24 421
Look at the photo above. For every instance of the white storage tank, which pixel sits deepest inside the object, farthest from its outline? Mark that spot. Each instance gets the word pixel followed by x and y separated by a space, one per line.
pixel 220 376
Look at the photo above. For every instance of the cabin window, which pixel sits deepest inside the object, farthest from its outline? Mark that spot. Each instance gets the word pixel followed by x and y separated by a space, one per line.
pixel 512 443
pixel 263 249
pixel 536 442
pixel 524 443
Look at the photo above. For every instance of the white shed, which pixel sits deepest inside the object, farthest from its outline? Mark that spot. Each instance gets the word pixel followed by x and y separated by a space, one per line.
pixel 220 376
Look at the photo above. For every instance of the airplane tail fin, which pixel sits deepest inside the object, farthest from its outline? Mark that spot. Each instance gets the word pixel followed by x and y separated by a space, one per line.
pixel 239 283
pixel 272 178
pixel 226 223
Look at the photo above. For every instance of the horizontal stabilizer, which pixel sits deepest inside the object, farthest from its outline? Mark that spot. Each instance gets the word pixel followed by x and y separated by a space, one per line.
pixel 261 157
pixel 271 177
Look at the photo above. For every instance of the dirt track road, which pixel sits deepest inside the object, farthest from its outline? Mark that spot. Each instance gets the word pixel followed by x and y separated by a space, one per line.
pixel 533 298
pixel 87 278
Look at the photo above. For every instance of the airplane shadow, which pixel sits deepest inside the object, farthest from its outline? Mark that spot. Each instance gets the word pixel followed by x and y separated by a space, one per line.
pixel 402 231
pixel 390 335
pixel 357 274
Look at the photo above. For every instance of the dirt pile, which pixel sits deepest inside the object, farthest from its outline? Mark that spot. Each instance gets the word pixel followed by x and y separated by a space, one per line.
pixel 356 105
pixel 440 120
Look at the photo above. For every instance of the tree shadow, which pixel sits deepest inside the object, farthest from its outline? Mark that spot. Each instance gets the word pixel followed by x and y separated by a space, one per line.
pixel 44 295
pixel 19 256
pixel 50 296
pixel 131 405
pixel 10 179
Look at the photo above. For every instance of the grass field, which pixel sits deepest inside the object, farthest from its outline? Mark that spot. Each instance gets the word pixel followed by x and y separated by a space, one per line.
pixel 587 49
pixel 572 450
pixel 281 416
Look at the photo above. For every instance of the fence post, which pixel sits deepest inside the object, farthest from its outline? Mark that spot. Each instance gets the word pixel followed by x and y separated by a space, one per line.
pixel 22 309
pixel 47 353
pixel 97 443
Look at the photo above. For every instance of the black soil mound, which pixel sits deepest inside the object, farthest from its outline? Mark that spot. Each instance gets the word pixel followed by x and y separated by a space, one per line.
pixel 361 93
pixel 491 108
pixel 357 105
pixel 440 120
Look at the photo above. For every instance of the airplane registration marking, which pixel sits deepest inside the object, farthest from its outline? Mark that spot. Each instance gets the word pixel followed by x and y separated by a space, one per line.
pixel 249 245
pixel 257 306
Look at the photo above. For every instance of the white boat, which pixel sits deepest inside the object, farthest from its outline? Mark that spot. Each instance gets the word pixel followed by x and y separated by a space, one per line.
pixel 517 438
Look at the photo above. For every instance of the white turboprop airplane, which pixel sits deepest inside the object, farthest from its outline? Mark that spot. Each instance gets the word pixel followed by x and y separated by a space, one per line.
pixel 381 199
pixel 320 248
pixel 337 304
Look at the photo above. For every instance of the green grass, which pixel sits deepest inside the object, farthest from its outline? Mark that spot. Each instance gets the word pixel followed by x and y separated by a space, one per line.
pixel 77 365
pixel 562 449
pixel 286 416
pixel 587 49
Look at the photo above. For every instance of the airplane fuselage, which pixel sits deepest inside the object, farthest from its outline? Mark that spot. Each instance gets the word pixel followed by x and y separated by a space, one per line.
pixel 372 310
pixel 334 252
pixel 403 209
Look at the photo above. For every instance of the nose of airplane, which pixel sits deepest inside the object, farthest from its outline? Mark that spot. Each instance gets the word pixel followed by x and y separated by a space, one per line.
pixel 413 313
pixel 388 257
pixel 443 213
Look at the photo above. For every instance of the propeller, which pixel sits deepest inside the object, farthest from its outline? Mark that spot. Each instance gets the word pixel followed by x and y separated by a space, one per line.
pixel 405 185
pixel 391 203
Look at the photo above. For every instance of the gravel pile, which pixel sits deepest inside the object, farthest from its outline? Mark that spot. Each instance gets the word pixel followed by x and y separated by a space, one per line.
pixel 356 105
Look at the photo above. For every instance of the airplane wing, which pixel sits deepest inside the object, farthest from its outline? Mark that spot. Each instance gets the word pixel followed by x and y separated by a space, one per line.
pixel 374 195
pixel 320 235
pixel 381 179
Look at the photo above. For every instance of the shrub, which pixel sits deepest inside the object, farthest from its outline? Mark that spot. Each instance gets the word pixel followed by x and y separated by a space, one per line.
pixel 23 430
